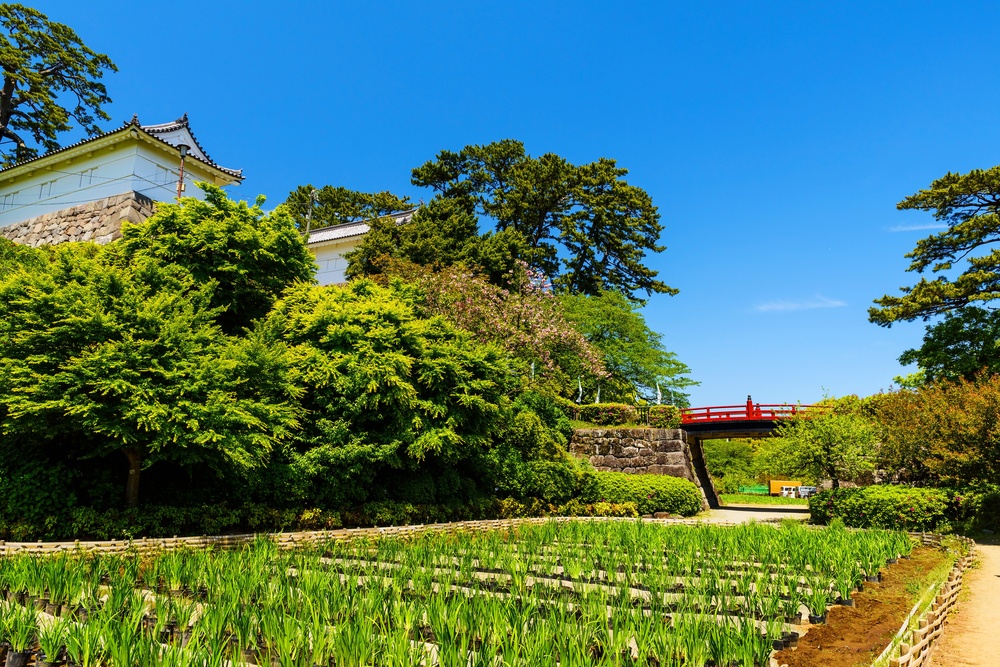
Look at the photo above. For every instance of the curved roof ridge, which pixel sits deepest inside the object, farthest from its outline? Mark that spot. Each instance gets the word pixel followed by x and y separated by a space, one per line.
pixel 150 130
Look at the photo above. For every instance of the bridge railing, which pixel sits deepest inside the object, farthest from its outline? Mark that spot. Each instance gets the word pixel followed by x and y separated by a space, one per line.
pixel 745 412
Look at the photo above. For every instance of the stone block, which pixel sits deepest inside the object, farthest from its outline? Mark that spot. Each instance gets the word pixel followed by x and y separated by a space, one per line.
pixel 676 471
pixel 671 446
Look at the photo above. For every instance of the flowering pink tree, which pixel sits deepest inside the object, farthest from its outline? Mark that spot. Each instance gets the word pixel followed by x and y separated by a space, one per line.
pixel 524 318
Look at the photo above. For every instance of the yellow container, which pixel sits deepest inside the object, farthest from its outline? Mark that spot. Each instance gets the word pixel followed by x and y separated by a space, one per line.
pixel 776 484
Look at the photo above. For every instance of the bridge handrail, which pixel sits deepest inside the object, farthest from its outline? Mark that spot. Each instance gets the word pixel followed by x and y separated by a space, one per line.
pixel 745 412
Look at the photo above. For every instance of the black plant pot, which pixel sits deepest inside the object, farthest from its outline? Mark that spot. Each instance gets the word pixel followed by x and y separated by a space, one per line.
pixel 817 620
pixel 849 602
pixel 18 658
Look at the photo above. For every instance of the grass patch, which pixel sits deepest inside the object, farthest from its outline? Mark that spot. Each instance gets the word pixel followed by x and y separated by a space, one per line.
pixel 751 499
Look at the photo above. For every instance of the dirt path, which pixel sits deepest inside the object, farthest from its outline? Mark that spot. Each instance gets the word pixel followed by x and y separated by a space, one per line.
pixel 971 631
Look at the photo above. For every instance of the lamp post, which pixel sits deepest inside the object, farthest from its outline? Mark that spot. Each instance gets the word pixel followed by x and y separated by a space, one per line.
pixel 183 148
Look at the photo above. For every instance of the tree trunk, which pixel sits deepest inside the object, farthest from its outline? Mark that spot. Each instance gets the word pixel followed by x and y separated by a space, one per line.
pixel 132 486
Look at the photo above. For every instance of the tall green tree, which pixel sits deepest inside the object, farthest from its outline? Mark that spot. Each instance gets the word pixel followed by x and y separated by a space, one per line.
pixel 249 257
pixel 962 345
pixel 633 354
pixel 45 65
pixel 587 228
pixel 969 204
pixel 384 387
pixel 328 206
pixel 101 359
pixel 444 233
pixel 838 445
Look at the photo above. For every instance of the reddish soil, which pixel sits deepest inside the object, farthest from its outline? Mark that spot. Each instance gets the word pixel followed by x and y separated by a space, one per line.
pixel 856 636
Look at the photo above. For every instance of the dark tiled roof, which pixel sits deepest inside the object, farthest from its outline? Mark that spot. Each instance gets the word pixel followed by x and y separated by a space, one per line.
pixel 151 131
pixel 352 229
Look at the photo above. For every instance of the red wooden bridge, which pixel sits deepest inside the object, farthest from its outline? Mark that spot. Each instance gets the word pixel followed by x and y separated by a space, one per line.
pixel 735 415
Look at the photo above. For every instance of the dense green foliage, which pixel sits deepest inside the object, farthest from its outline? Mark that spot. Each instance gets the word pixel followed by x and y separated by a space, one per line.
pixel 970 205
pixel 910 508
pixel 943 433
pixel 664 416
pixel 608 414
pixel 523 317
pixel 45 64
pixel 731 463
pixel 98 357
pixel 899 507
pixel 636 362
pixel 196 354
pixel 244 257
pixel 329 206
pixel 961 346
pixel 585 226
pixel 441 234
pixel 835 445
pixel 651 493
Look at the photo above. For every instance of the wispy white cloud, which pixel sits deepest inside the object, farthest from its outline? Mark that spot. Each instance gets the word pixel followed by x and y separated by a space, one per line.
pixel 811 304
pixel 918 228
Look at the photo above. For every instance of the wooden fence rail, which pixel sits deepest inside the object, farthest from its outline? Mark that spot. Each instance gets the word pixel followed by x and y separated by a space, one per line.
pixel 915 651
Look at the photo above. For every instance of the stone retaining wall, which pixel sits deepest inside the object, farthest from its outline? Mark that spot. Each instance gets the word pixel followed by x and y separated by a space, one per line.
pixel 99 221
pixel 654 451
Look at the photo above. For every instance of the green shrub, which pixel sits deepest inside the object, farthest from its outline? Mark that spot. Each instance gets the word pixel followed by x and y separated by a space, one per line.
pixel 664 416
pixel 882 506
pixel 510 508
pixel 608 414
pixel 976 509
pixel 650 493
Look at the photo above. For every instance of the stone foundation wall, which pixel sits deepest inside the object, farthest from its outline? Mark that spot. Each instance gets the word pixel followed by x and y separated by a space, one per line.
pixel 653 451
pixel 99 221
pixel 642 451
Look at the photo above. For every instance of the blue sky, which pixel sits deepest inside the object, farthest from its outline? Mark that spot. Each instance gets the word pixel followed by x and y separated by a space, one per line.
pixel 775 138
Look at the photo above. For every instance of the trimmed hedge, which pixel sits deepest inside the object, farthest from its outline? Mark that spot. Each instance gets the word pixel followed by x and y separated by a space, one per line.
pixel 167 521
pixel 608 414
pixel 892 507
pixel 664 416
pixel 650 493
pixel 909 508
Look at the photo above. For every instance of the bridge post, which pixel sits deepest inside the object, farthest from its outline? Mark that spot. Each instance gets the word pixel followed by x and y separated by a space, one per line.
pixel 710 497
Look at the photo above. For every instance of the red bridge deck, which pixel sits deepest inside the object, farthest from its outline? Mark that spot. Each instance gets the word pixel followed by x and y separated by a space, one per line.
pixel 749 411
